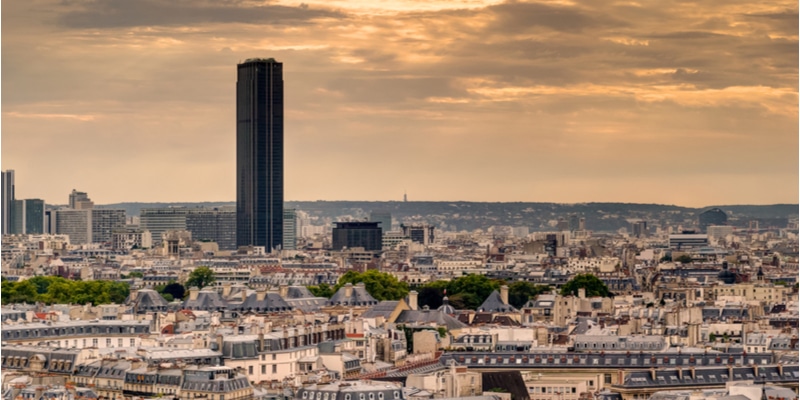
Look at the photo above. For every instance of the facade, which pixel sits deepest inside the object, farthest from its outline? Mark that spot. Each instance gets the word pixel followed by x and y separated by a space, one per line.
pixel 77 224
pixel 130 238
pixel 8 199
pixel 206 224
pixel 78 334
pixel 213 224
pixel 105 222
pixel 366 235
pixel 27 217
pixel 383 218
pixel 259 153
pixel 714 216
pixel 289 229
pixel 686 241
pixel 422 234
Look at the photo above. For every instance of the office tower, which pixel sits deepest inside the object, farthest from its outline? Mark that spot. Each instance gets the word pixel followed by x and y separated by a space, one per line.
pixel 259 153
pixel 418 233
pixel 105 222
pixel 8 200
pixel 80 200
pixel 562 224
pixel 77 224
pixel 213 224
pixel 289 229
pixel 357 234
pixel 639 229
pixel 574 223
pixel 383 218
pixel 206 224
pixel 27 217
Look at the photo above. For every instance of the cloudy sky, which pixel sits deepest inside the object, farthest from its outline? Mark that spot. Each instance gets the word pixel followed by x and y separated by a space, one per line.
pixel 658 101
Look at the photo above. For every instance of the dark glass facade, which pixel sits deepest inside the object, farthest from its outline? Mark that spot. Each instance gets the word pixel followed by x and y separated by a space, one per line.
pixel 357 234
pixel 259 153
pixel 714 216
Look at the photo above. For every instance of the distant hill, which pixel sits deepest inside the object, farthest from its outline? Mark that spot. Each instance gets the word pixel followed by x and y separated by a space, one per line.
pixel 463 215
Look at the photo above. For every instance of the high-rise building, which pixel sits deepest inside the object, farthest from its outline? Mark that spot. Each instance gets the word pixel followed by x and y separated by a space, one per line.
pixel 8 200
pixel 383 218
pixel 105 222
pixel 259 153
pixel 27 217
pixel 77 224
pixel 289 229
pixel 357 234
pixel 80 200
pixel 213 224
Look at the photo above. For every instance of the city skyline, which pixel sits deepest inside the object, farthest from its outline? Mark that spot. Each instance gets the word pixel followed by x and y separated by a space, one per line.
pixel 668 103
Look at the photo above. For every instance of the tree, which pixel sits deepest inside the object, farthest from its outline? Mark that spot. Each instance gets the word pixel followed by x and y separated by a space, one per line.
pixel 593 286
pixel 380 285
pixel 520 292
pixel 136 274
pixel 175 289
pixel 431 295
pixel 321 290
pixel 684 259
pixel 666 258
pixel 201 277
pixel 712 337
pixel 167 296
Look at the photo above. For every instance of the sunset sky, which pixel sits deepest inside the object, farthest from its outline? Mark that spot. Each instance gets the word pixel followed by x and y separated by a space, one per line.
pixel 672 102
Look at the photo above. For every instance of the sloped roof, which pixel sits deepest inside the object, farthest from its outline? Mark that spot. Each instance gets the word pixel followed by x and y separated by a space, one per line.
pixel 383 309
pixel 494 303
pixel 427 317
pixel 358 297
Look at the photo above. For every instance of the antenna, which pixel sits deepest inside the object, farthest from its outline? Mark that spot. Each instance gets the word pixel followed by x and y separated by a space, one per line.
pixel 405 196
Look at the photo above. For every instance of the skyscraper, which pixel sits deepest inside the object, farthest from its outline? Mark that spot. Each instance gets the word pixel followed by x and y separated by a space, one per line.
pixel 259 153
pixel 8 200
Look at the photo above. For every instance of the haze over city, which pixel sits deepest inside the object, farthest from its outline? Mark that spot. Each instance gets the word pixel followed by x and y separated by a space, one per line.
pixel 654 102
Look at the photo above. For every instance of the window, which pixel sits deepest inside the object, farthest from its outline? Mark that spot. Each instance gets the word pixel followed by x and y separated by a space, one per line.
pixel 108 342
pixel 133 342
pixel 250 370
pixel 119 342
pixel 263 368
pixel 273 357
pixel 94 342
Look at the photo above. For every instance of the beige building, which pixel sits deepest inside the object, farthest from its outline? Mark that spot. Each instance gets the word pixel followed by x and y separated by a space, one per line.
pixel 450 383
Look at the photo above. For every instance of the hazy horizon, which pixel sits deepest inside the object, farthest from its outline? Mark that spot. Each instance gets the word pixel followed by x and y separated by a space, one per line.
pixel 556 101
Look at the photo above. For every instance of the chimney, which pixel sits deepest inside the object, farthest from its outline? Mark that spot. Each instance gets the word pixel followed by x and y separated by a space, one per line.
pixel 283 290
pixel 680 373
pixel 243 294
pixel 653 374
pixel 755 370
pixel 582 293
pixel 691 370
pixel 730 372
pixel 504 294
pixel 412 300
pixel 261 294
pixel 226 289
pixel 193 291
pixel 348 290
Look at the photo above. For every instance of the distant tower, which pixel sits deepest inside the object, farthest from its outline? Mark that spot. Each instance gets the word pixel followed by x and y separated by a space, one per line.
pixel 405 197
pixel 80 201
pixel 259 153
pixel 8 200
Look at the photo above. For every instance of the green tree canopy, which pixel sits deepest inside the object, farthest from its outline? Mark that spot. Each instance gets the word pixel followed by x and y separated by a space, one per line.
pixel 520 292
pixel 201 277
pixel 321 290
pixel 684 259
pixel 465 292
pixel 175 289
pixel 380 285
pixel 55 289
pixel 593 286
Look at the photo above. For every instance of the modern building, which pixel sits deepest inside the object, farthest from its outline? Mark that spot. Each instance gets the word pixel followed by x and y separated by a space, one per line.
pixel 27 217
pixel 289 229
pixel 104 222
pixel 714 216
pixel 419 233
pixel 206 224
pixel 259 153
pixel 366 235
pixel 213 224
pixel 77 224
pixel 687 241
pixel 8 199
pixel 80 200
pixel 383 218
pixel 639 229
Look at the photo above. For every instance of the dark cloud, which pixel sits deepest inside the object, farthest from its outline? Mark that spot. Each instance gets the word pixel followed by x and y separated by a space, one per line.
pixel 524 17
pixel 124 13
